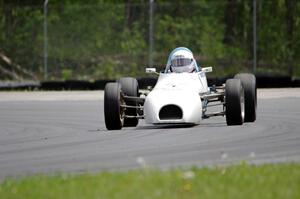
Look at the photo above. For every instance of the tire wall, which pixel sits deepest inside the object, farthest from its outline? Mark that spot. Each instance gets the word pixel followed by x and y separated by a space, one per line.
pixel 263 81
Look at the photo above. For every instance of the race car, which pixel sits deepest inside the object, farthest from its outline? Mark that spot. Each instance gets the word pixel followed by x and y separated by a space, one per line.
pixel 180 96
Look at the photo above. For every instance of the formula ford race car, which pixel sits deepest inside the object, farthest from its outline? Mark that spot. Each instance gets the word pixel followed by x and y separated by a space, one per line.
pixel 179 97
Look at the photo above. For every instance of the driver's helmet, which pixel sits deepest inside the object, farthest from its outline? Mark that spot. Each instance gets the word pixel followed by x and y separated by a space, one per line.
pixel 181 60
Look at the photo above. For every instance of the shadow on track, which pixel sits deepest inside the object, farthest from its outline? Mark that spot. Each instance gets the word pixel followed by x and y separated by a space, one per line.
pixel 219 124
pixel 165 126
pixel 175 126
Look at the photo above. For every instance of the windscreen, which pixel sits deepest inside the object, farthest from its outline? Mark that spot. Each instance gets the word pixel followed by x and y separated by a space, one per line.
pixel 181 62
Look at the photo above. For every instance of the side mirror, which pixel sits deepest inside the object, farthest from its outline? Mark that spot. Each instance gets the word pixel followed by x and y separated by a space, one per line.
pixel 207 69
pixel 151 70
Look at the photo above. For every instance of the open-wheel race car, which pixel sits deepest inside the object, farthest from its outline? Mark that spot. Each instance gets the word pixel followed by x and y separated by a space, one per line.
pixel 180 96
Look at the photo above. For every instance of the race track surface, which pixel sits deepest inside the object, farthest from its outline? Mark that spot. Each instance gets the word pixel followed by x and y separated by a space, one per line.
pixel 48 132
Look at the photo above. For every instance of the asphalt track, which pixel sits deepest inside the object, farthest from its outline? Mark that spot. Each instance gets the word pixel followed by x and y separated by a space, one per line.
pixel 49 132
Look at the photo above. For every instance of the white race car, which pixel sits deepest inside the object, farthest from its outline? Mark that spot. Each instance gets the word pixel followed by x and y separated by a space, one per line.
pixel 179 98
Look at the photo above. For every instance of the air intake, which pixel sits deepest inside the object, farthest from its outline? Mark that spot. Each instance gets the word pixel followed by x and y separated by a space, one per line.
pixel 170 112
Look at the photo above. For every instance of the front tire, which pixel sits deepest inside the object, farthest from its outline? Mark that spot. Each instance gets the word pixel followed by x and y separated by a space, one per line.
pixel 113 112
pixel 234 102
pixel 130 87
pixel 249 85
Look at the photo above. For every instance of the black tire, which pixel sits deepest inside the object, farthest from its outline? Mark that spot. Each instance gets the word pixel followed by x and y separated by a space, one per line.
pixel 249 85
pixel 113 112
pixel 130 87
pixel 234 99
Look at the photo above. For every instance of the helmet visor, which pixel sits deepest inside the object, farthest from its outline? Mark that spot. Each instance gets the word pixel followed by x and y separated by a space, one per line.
pixel 181 62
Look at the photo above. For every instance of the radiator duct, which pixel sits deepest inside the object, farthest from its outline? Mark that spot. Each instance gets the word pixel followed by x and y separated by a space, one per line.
pixel 170 112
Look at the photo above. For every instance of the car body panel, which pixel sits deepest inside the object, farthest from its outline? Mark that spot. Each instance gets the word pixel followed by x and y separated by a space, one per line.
pixel 179 89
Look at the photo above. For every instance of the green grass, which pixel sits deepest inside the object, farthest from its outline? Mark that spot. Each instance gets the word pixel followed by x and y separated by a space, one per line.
pixel 238 181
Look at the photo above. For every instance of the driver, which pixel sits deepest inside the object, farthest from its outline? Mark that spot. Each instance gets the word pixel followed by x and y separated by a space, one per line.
pixel 181 60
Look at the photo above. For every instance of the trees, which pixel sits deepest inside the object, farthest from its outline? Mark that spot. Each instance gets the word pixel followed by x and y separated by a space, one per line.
pixel 94 39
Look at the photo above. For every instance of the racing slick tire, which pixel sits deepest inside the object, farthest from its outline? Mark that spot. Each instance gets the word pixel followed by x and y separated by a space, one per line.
pixel 234 102
pixel 113 112
pixel 130 87
pixel 249 84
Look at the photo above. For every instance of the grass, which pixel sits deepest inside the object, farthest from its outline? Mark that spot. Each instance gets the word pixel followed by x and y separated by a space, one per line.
pixel 238 181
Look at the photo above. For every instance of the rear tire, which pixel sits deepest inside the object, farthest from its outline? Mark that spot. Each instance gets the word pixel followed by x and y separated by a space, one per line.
pixel 234 99
pixel 113 112
pixel 249 85
pixel 130 87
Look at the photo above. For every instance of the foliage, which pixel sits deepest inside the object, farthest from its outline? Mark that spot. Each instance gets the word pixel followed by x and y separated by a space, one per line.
pixel 110 38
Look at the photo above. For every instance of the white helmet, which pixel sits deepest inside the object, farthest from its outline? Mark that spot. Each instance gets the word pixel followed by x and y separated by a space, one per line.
pixel 182 60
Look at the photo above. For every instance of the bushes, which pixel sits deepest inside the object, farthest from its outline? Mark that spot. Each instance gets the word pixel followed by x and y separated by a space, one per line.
pixel 110 39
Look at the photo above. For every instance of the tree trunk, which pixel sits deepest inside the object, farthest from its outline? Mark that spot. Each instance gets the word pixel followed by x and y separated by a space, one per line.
pixel 230 16
pixel 290 22
pixel 8 18
pixel 15 71
pixel 128 13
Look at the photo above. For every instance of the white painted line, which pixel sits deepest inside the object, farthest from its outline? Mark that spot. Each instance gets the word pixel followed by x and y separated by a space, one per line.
pixel 275 93
pixel 51 96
